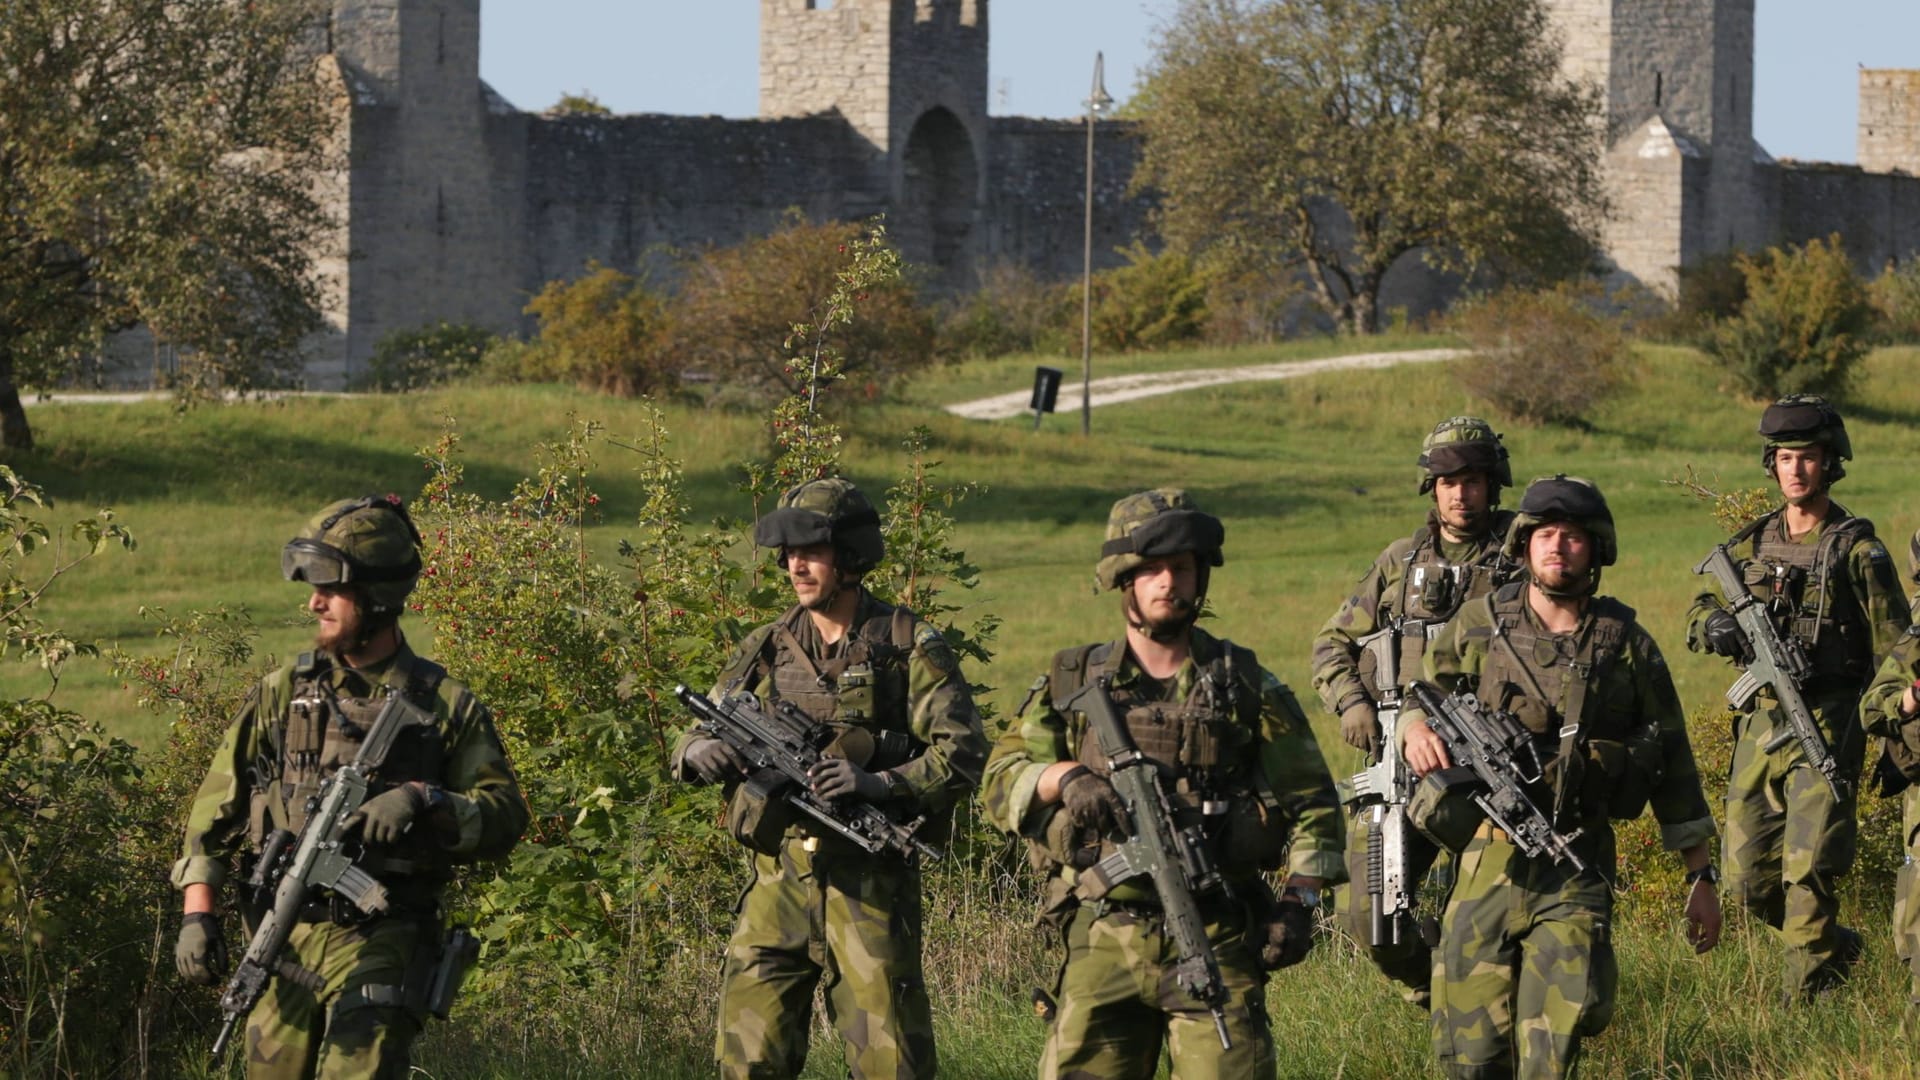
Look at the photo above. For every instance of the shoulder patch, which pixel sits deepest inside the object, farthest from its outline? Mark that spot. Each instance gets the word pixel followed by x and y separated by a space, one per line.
pixel 932 645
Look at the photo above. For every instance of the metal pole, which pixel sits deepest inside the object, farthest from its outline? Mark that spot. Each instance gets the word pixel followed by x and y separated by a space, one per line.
pixel 1096 101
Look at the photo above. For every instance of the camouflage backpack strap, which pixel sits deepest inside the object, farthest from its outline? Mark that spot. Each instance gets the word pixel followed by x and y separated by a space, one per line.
pixel 1072 668
pixel 745 666
pixel 1421 537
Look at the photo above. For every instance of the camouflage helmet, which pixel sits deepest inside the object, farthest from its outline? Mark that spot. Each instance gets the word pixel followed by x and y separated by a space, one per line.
pixel 827 511
pixel 369 543
pixel 1802 420
pixel 1465 444
pixel 1564 498
pixel 1154 524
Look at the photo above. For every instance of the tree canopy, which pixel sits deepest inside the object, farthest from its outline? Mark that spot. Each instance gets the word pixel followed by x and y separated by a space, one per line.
pixel 1336 136
pixel 158 163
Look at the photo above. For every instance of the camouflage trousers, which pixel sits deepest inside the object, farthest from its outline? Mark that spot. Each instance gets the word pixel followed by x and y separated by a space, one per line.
pixel 1118 1002
pixel 358 1026
pixel 1906 904
pixel 1525 968
pixel 1789 841
pixel 1410 962
pixel 851 918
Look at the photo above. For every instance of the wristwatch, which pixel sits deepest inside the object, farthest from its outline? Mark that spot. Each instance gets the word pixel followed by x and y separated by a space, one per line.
pixel 1304 895
pixel 1708 873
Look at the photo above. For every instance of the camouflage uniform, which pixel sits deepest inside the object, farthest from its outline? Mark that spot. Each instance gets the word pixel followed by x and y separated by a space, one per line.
pixel 1387 598
pixel 298 724
pixel 1526 968
pixel 820 906
pixel 1789 840
pixel 1881 715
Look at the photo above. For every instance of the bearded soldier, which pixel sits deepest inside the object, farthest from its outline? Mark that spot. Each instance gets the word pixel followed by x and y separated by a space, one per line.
pixel 1241 766
pixel 1409 592
pixel 443 794
pixel 910 742
pixel 1526 966
pixel 1832 590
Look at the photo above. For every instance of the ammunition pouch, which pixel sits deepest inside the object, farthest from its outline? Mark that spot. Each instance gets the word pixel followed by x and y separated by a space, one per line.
pixel 1253 834
pixel 1622 776
pixel 757 812
pixel 1443 808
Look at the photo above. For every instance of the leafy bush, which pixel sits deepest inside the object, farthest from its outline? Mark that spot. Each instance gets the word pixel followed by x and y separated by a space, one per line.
pixel 1896 298
pixel 1540 357
pixel 604 331
pixel 1803 326
pixel 1012 311
pixel 1154 302
pixel 416 359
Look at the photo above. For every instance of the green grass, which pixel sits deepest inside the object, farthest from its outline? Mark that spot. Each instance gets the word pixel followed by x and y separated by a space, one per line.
pixel 1312 476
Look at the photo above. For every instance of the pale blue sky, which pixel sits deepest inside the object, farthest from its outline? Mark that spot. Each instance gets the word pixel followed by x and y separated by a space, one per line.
pixel 701 56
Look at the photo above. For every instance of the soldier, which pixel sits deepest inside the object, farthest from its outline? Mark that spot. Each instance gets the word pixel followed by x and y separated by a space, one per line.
pixel 1891 709
pixel 1243 766
pixel 1412 588
pixel 1526 966
pixel 911 743
pixel 444 794
pixel 1832 588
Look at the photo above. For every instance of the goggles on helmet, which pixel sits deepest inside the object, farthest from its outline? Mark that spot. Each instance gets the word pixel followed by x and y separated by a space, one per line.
pixel 315 563
pixel 791 526
pixel 1170 533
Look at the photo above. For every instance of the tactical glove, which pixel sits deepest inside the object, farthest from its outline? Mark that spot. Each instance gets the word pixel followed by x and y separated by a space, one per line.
pixel 1286 935
pixel 385 818
pixel 1090 801
pixel 1360 726
pixel 714 761
pixel 1725 638
pixel 835 778
pixel 201 953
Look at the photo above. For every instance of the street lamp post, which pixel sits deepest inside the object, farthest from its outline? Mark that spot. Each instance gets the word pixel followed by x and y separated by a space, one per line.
pixel 1097 102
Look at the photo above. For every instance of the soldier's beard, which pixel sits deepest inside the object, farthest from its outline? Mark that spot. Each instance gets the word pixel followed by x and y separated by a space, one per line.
pixel 1171 628
pixel 346 634
pixel 1566 586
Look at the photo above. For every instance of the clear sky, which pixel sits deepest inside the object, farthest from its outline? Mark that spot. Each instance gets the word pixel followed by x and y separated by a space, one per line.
pixel 702 56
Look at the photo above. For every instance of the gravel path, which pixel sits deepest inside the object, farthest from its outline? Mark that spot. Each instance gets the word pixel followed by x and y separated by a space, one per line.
pixel 1117 388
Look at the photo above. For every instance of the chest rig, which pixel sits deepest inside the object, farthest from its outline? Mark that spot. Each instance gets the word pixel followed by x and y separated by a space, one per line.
pixel 1808 595
pixel 1431 589
pixel 862 688
pixel 322 729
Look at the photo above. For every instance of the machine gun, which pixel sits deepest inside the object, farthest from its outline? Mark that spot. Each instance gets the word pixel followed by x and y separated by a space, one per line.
pixel 1175 858
pixel 1779 664
pixel 1495 755
pixel 782 745
pixel 1382 790
pixel 292 869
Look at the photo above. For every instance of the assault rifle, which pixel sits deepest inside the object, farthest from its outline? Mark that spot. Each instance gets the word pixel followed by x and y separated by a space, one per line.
pixel 1779 664
pixel 1382 790
pixel 1496 756
pixel 782 745
pixel 1175 858
pixel 292 869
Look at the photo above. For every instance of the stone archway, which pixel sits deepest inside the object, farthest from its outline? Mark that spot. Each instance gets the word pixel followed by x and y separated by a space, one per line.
pixel 939 195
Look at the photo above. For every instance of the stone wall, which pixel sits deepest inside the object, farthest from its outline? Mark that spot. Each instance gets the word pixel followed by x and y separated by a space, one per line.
pixel 1036 205
pixel 1890 120
pixel 1876 214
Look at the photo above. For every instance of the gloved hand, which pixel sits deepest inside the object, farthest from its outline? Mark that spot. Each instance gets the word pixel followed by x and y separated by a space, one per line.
pixel 1360 727
pixel 1090 801
pixel 1725 638
pixel 385 818
pixel 1285 935
pixel 835 778
pixel 201 953
pixel 714 761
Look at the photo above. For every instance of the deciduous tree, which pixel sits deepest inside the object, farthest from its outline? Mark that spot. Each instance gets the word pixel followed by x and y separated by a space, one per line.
pixel 1337 136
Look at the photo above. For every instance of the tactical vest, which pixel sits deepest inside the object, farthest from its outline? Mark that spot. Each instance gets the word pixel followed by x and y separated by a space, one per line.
pixel 1808 593
pixel 1207 748
pixel 321 729
pixel 1430 591
pixel 1576 697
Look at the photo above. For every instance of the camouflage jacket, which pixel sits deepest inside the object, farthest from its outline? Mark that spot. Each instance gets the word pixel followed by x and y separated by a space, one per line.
pixel 1294 770
pixel 1626 692
pixel 1852 597
pixel 1880 705
pixel 934 707
pixel 1384 596
pixel 233 806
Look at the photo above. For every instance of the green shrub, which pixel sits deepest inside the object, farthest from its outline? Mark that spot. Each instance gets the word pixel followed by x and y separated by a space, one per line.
pixel 605 331
pixel 1541 357
pixel 1803 326
pixel 415 359
pixel 1896 299
pixel 1012 311
pixel 1156 301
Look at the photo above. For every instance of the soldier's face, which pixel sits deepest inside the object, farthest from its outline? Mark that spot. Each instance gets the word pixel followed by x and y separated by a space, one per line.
pixel 338 617
pixel 1461 501
pixel 1164 591
pixel 811 572
pixel 1800 472
pixel 1559 554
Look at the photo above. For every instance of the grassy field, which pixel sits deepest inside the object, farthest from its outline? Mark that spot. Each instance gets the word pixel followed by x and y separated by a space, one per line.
pixel 1312 477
